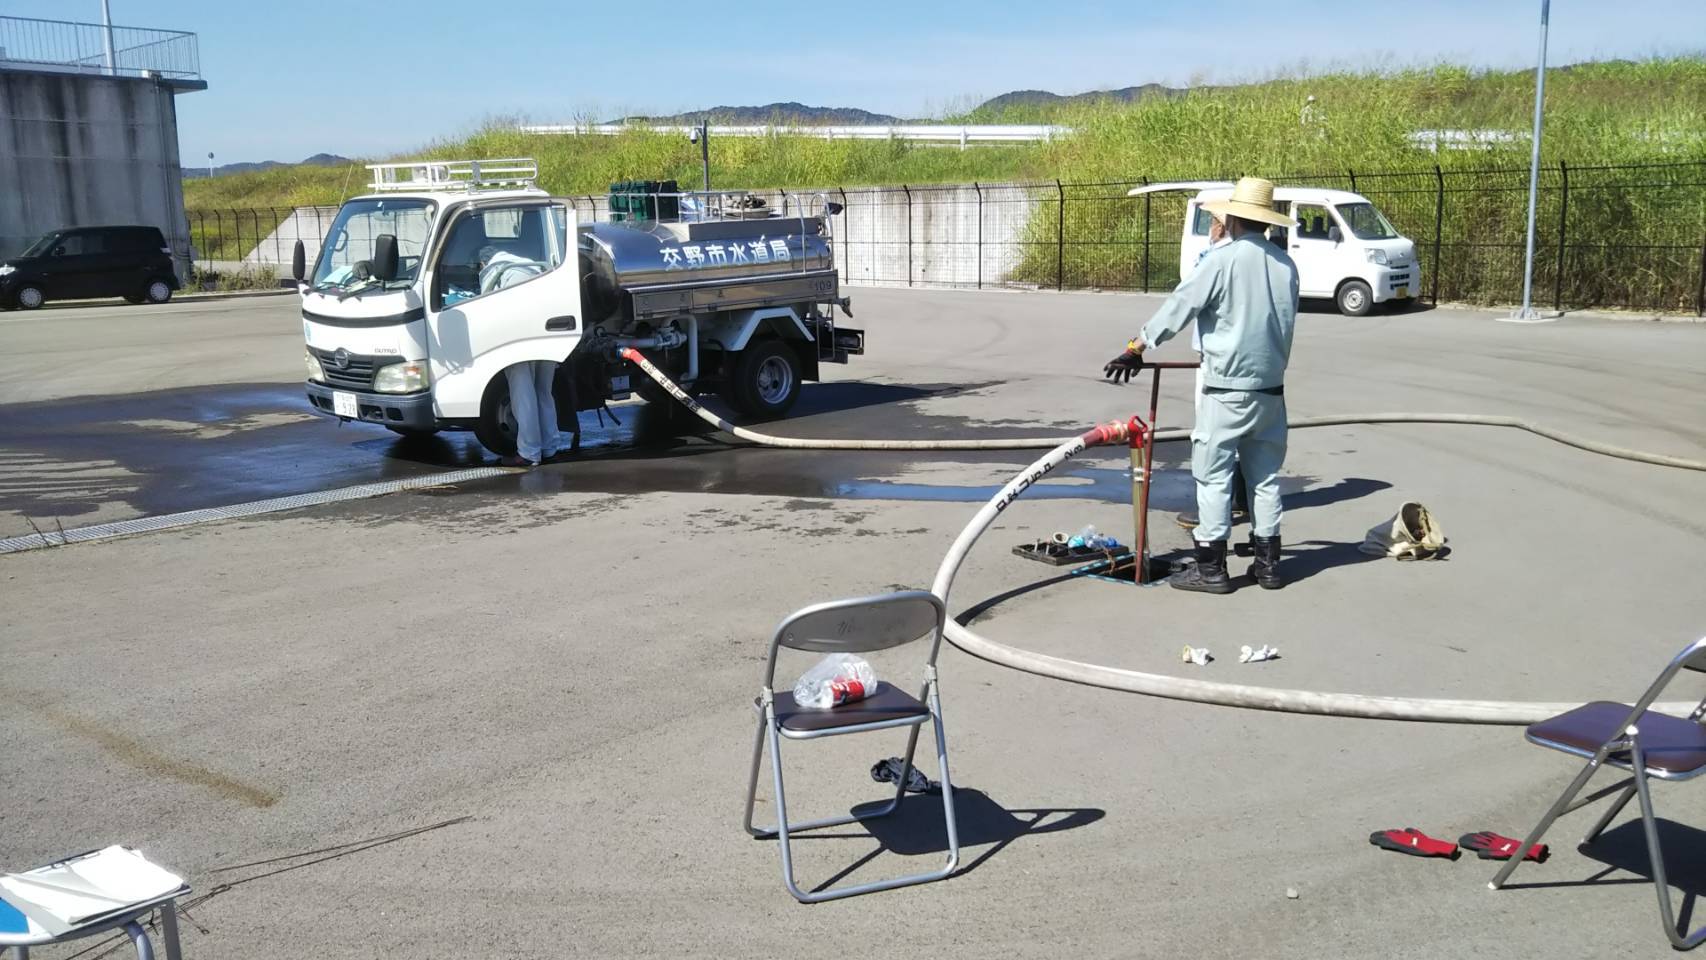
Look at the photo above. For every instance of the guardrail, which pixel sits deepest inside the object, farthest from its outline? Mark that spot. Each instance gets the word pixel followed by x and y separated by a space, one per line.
pixel 73 47
pixel 962 134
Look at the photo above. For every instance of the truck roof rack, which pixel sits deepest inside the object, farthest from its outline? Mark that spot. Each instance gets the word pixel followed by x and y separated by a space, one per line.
pixel 504 174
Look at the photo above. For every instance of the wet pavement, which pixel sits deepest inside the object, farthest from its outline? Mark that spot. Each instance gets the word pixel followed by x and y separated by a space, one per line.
pixel 75 462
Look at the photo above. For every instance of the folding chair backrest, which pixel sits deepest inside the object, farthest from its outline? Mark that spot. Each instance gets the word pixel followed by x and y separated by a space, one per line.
pixel 1692 657
pixel 863 624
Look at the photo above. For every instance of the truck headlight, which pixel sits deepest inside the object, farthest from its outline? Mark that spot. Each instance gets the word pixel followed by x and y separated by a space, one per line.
pixel 6 268
pixel 410 377
pixel 1376 255
pixel 315 372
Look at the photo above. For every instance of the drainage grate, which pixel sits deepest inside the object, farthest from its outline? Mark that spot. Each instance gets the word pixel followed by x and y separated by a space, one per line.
pixel 172 521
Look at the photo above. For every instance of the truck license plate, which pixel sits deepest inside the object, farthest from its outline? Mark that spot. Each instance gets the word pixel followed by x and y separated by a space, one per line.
pixel 1402 293
pixel 343 404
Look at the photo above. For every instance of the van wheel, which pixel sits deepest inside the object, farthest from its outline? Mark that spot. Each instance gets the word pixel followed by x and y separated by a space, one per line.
pixel 496 427
pixel 767 379
pixel 1355 298
pixel 30 298
pixel 158 292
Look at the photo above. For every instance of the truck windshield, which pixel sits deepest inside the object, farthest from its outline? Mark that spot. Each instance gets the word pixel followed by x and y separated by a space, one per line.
pixel 1366 222
pixel 349 244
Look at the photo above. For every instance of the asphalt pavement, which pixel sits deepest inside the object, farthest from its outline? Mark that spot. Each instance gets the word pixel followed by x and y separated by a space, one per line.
pixel 549 675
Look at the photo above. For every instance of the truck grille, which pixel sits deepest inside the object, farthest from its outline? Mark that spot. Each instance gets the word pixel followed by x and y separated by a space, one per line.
pixel 1393 280
pixel 356 371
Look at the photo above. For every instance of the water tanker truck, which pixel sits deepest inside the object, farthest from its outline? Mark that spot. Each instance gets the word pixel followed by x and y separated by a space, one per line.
pixel 427 287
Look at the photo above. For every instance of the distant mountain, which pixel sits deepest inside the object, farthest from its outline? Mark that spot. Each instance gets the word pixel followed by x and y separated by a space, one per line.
pixel 1043 98
pixel 317 160
pixel 789 113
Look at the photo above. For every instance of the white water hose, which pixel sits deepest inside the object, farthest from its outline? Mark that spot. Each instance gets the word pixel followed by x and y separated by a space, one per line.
pixel 1160 685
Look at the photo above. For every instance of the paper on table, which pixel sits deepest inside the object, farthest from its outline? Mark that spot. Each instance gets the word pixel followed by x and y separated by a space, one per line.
pixel 65 895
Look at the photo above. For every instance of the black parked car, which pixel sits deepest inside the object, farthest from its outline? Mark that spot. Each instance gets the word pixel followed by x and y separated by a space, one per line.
pixel 83 262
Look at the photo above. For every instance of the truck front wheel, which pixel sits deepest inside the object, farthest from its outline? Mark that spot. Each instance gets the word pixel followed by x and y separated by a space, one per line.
pixel 766 379
pixel 496 427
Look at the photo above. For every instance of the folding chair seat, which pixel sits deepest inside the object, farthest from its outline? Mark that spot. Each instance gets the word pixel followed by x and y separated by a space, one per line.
pixel 1650 746
pixel 853 626
pixel 888 705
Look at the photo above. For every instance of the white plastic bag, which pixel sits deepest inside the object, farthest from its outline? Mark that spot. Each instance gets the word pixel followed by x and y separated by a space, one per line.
pixel 836 679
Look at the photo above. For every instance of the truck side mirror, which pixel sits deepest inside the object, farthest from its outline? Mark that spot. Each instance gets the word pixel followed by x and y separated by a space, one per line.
pixel 299 262
pixel 385 257
pixel 1335 234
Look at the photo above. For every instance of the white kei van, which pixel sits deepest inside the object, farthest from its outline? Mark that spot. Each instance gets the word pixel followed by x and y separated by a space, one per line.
pixel 1344 247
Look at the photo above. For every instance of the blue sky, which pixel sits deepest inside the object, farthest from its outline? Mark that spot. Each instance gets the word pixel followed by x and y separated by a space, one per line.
pixel 305 76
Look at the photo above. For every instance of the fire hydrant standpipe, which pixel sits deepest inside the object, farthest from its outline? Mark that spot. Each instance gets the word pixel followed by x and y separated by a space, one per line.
pixel 1437 710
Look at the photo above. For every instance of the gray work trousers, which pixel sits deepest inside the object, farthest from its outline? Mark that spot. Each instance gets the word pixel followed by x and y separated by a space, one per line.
pixel 1237 430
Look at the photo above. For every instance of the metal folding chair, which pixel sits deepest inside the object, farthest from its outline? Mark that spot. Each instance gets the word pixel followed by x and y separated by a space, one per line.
pixel 853 626
pixel 1649 746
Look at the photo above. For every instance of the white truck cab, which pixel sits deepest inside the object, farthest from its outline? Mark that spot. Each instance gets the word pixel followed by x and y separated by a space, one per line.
pixel 425 289
pixel 1344 247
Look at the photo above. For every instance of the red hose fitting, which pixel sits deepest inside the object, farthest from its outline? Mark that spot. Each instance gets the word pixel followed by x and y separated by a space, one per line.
pixel 1137 430
pixel 1111 432
pixel 629 353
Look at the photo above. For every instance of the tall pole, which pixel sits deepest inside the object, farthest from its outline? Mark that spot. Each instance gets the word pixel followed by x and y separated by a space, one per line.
pixel 1527 311
pixel 107 35
pixel 705 151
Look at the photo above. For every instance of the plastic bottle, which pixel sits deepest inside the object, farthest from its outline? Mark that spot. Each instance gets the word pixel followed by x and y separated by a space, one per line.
pixel 836 679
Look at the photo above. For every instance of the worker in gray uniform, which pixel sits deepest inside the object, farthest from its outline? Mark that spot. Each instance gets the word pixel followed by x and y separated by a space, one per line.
pixel 1243 298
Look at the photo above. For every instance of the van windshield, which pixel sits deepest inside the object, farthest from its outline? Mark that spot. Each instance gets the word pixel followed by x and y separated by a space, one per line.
pixel 349 244
pixel 40 247
pixel 1366 222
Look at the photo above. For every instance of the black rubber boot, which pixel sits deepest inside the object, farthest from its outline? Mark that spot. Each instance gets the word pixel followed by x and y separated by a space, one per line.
pixel 1207 574
pixel 1265 565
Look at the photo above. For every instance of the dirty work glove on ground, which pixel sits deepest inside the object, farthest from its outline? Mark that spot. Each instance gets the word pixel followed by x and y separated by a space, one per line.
pixel 1491 846
pixel 887 771
pixel 1413 842
pixel 1125 366
pixel 1411 534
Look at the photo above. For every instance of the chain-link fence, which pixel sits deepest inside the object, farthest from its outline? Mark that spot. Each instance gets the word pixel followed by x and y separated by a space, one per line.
pixel 1606 236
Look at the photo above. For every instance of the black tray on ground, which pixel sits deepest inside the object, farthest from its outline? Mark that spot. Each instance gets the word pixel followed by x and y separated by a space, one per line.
pixel 1060 555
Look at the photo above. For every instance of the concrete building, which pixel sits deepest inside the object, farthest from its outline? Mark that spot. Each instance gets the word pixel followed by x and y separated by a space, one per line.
pixel 89 129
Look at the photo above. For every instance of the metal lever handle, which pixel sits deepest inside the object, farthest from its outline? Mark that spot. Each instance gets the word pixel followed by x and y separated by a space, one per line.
pixel 560 323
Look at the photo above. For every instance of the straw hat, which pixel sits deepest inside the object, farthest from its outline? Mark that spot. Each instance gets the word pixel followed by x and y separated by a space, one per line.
pixel 1252 199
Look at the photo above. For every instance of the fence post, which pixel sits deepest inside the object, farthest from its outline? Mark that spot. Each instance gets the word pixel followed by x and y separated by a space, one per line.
pixel 847 228
pixel 1439 227
pixel 1700 291
pixel 1146 197
pixel 979 189
pixel 1563 222
pixel 908 233
pixel 1353 174
pixel 1060 240
pixel 277 224
pixel 219 224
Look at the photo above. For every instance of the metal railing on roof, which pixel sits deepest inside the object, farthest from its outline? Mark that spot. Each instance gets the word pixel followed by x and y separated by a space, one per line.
pixel 509 173
pixel 70 47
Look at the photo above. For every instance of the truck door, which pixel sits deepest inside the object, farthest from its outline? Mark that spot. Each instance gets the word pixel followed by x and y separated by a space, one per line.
pixel 1313 250
pixel 502 288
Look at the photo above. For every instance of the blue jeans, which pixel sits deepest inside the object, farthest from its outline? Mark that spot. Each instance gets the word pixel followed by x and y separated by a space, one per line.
pixel 1237 431
pixel 534 407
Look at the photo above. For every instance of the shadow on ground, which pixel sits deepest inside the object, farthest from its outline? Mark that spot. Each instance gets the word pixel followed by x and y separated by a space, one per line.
pixel 919 828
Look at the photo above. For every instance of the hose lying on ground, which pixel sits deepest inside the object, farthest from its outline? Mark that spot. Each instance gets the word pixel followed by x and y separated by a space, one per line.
pixel 1177 433
pixel 1160 685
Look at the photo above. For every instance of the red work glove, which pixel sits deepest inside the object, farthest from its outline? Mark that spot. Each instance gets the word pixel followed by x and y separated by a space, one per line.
pixel 1413 842
pixel 1491 846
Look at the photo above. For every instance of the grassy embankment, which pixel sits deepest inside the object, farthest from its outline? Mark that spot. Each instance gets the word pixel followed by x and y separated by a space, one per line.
pixel 1613 113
